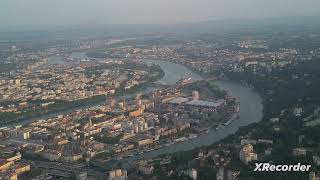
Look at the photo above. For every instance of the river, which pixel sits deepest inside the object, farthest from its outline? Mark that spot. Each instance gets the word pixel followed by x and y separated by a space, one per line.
pixel 173 72
pixel 251 109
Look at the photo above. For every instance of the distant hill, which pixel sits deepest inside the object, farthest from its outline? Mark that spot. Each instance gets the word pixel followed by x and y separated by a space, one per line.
pixel 283 24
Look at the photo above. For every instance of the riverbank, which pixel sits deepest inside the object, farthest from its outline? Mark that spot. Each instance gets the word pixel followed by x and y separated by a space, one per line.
pixel 251 111
pixel 63 107
pixel 55 109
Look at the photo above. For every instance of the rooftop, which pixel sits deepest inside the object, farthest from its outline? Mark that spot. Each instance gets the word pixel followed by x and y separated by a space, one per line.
pixel 179 100
pixel 217 103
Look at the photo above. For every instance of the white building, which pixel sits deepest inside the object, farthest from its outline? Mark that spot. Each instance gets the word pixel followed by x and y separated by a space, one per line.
pixel 195 95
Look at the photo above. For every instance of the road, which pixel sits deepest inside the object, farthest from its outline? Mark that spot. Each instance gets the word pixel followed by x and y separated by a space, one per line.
pixel 63 170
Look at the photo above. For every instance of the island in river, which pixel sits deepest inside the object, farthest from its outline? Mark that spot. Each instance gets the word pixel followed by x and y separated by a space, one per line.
pixel 251 109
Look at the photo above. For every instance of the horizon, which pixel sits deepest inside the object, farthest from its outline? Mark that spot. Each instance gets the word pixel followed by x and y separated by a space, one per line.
pixel 22 28
pixel 44 14
pixel 160 89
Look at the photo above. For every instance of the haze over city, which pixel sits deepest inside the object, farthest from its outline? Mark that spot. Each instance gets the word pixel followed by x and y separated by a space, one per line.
pixel 159 89
pixel 47 13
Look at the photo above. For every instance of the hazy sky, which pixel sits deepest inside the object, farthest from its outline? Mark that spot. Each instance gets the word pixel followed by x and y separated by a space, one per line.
pixel 44 13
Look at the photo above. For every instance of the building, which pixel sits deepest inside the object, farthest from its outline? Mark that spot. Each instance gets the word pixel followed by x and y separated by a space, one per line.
pixel 22 168
pixel 316 160
pixel 139 103
pixel 8 176
pixel 312 176
pixel 136 113
pixel 70 158
pixel 195 95
pixel 297 111
pixel 51 155
pixel 193 174
pixel 118 174
pixel 227 174
pixel 145 142
pixel 178 100
pixel 299 152
pixel 220 174
pixel 5 165
pixel 24 134
pixel 233 175
pixel 145 168
pixel 207 104
pixel 247 154
pixel 81 176
pixel 15 157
